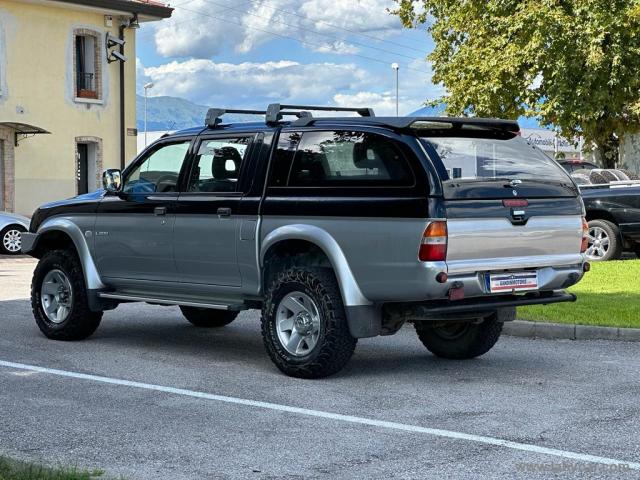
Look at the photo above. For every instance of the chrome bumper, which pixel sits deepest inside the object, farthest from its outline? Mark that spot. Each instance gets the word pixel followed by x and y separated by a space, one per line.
pixel 549 278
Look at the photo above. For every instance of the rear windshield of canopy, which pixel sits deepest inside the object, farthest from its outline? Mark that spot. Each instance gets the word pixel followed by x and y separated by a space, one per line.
pixel 480 158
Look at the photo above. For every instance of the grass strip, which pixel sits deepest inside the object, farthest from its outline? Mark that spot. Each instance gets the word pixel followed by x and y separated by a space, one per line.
pixel 608 296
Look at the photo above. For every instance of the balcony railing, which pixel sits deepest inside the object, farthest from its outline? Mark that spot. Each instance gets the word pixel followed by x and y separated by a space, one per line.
pixel 86 85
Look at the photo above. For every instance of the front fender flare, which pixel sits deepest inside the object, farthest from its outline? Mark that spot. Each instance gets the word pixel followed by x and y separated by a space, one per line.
pixel 64 225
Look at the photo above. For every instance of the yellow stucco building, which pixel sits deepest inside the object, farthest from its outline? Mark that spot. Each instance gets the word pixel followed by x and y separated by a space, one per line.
pixel 65 114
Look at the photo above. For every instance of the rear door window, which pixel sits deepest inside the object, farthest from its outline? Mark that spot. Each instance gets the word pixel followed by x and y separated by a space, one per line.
pixel 217 164
pixel 339 159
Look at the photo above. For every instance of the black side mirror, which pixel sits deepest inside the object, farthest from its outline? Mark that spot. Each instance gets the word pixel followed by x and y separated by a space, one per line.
pixel 112 180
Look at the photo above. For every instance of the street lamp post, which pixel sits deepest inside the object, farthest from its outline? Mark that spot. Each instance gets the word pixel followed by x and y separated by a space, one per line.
pixel 396 67
pixel 147 86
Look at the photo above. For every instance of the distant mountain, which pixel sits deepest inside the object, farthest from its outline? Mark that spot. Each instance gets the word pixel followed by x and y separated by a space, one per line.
pixel 169 113
pixel 173 113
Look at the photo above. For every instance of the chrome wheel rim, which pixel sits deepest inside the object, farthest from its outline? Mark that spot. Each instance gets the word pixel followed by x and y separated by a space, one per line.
pixel 56 296
pixel 599 243
pixel 298 323
pixel 12 240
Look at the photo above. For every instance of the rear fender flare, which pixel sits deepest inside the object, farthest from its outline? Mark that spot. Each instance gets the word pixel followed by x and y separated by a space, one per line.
pixel 351 294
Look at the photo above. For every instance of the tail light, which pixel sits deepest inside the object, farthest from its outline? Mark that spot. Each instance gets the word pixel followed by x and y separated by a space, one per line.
pixel 433 246
pixel 585 236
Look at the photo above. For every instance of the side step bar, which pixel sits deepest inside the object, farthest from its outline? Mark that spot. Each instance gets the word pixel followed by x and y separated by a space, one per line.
pixel 166 301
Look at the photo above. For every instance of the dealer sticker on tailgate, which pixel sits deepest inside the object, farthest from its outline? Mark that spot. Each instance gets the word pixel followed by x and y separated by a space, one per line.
pixel 513 282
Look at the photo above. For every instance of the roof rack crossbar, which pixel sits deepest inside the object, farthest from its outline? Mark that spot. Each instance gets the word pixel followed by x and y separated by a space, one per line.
pixel 276 110
pixel 214 115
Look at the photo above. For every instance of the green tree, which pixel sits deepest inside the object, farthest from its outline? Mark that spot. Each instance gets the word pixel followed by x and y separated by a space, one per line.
pixel 575 64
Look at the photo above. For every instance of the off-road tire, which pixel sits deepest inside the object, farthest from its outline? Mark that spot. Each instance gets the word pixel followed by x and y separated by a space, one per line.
pixel 335 344
pixel 207 317
pixel 473 339
pixel 81 321
pixel 615 241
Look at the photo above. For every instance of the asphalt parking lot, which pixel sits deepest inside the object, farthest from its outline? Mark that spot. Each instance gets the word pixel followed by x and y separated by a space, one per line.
pixel 150 396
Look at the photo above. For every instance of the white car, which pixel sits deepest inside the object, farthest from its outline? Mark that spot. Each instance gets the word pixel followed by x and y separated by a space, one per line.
pixel 11 228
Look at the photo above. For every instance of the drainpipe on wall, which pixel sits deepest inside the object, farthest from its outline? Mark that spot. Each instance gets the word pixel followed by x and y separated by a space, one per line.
pixel 123 128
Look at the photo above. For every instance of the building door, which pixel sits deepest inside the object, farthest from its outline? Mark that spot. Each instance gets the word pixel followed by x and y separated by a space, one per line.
pixel 82 168
pixel 3 179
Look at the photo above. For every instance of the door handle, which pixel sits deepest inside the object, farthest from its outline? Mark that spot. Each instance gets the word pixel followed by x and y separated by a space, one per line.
pixel 160 211
pixel 224 212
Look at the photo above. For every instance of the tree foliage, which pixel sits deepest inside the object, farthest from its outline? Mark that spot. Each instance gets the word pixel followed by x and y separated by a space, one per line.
pixel 575 64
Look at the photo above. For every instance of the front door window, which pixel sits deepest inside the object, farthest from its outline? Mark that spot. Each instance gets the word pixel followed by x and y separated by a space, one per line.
pixel 159 172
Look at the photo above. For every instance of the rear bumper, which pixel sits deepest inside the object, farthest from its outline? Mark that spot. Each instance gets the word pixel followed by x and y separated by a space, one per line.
pixel 477 307
pixel 475 284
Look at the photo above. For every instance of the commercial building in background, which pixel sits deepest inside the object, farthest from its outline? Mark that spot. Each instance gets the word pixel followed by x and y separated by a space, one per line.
pixel 67 95
pixel 552 144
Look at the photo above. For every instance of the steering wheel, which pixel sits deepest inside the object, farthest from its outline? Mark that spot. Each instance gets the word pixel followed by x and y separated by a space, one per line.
pixel 167 183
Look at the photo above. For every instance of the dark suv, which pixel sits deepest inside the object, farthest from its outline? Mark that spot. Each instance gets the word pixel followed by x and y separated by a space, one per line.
pixel 336 227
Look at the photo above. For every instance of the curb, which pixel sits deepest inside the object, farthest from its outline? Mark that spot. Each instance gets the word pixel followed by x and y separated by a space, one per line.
pixel 557 331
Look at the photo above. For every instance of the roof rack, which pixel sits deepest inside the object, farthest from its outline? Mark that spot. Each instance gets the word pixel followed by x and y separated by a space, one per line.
pixel 275 111
pixel 214 115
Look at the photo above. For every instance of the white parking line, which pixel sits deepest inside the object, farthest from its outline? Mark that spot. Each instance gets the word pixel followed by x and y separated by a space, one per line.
pixel 332 416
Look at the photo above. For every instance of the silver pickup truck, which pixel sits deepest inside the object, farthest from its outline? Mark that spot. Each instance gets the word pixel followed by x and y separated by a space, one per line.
pixel 338 228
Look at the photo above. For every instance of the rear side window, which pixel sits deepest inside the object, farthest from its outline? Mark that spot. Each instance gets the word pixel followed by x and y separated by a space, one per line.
pixel 487 158
pixel 217 165
pixel 339 159
pixel 283 158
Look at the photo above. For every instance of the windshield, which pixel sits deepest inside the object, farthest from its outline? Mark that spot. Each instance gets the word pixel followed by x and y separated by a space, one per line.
pixel 490 158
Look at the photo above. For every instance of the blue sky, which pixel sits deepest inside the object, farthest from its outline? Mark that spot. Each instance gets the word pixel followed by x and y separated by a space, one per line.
pixel 234 53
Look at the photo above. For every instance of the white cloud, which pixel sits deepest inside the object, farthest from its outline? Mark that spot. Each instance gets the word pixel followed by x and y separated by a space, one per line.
pixel 198 30
pixel 338 47
pixel 382 103
pixel 204 28
pixel 254 84
pixel 359 15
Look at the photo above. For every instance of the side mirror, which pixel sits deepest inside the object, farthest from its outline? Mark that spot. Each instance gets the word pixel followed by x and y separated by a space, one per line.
pixel 112 180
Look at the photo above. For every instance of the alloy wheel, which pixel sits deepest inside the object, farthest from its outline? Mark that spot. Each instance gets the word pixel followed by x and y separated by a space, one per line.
pixel 598 243
pixel 12 240
pixel 56 296
pixel 298 323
